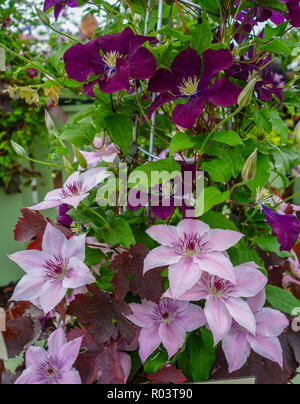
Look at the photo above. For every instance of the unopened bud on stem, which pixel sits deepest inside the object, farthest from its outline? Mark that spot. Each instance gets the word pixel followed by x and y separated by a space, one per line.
pixel 246 95
pixel 43 17
pixel 18 149
pixel 249 170
pixel 49 121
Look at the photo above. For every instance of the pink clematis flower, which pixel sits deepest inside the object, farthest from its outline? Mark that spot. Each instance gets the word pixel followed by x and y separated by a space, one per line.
pixel 104 152
pixel 189 249
pixel 270 324
pixel 50 273
pixel 75 190
pixel 166 323
pixel 54 366
pixel 292 277
pixel 224 301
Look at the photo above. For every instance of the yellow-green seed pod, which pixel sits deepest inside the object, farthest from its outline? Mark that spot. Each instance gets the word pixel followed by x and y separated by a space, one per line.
pixel 246 95
pixel 297 134
pixel 249 170
pixel 18 149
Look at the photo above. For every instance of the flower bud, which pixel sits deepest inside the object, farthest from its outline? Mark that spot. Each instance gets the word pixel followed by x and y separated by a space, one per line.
pixel 18 149
pixel 49 121
pixel 297 134
pixel 43 17
pixel 246 95
pixel 249 170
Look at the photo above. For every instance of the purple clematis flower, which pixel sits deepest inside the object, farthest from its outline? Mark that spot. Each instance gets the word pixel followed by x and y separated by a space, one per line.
pixel 59 5
pixel 189 249
pixel 122 58
pixel 63 218
pixel 286 228
pixel 166 323
pixel 185 82
pixel 75 190
pixel 54 366
pixel 294 12
pixel 224 301
pixel 50 273
pixel 270 324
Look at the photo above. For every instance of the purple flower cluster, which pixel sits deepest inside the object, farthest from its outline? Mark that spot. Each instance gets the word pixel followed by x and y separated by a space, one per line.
pixel 122 58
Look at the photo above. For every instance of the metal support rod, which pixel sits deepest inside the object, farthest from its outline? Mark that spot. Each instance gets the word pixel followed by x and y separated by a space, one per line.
pixel 153 157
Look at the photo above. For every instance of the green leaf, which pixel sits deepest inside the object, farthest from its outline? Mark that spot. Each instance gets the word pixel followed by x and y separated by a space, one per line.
pixel 169 166
pixel 281 299
pixel 172 33
pixel 79 134
pixel 181 141
pixel 276 46
pixel 120 128
pixel 156 361
pixel 218 170
pixel 120 233
pixel 202 355
pixel 218 221
pixel 270 243
pixel 93 256
pixel 202 36
pixel 278 124
pixel 261 120
pixel 271 32
pixel 240 256
pixel 228 137
pixel 212 197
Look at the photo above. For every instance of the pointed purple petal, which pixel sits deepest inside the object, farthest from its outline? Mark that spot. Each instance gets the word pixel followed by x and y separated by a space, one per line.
pixel 160 257
pixel 186 115
pixel 70 377
pixel 160 101
pixel 236 349
pixel 142 314
pixel 218 318
pixel 28 288
pixel 191 318
pixel 34 356
pixel 214 61
pixel 223 93
pixel 75 247
pixel 118 42
pixel 172 337
pixel 31 261
pixel 69 353
pixel 163 81
pixel 257 302
pixel 118 80
pixel 269 348
pixel 56 341
pixel 271 323
pixel 82 61
pixel 142 64
pixel 187 64
pixel 149 341
pixel 51 295
pixel 190 226
pixel 249 280
pixel 216 263
pixel 53 241
pixel 222 240
pixel 78 275
pixel 183 276
pixel 242 314
pixel 286 228
pixel 163 234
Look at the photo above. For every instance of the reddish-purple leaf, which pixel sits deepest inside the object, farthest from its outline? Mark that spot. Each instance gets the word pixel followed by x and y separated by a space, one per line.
pixel 166 375
pixel 103 316
pixel 148 286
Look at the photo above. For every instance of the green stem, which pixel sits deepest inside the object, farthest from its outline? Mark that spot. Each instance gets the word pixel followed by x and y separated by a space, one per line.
pixel 289 198
pixel 240 184
pixel 35 65
pixel 63 34
pixel 44 163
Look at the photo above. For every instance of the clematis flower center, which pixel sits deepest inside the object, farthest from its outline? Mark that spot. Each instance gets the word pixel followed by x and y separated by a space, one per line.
pixel 57 268
pixel 164 312
pixel 217 286
pixel 74 189
pixel 190 245
pixel 110 59
pixel 49 369
pixel 189 87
